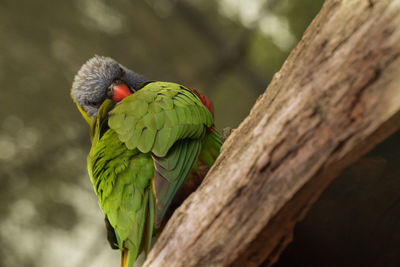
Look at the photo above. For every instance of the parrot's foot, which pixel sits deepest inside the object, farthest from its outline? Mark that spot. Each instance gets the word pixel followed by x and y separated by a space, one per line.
pixel 226 132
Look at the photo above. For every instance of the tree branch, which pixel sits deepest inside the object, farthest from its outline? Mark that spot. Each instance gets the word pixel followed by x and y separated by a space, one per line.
pixel 335 98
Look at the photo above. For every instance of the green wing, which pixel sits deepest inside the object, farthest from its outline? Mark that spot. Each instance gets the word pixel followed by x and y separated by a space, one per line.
pixel 210 147
pixel 159 114
pixel 156 133
pixel 169 121
pixel 121 180
pixel 171 172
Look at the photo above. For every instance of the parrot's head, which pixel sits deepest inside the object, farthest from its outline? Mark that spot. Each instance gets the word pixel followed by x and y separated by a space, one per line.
pixel 102 78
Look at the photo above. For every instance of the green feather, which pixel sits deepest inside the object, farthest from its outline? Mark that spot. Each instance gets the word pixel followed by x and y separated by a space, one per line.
pixel 159 120
pixel 158 133
pixel 146 140
pixel 210 148
pixel 154 107
pixel 171 172
pixel 171 118
pixel 165 103
pixel 150 222
pixel 133 141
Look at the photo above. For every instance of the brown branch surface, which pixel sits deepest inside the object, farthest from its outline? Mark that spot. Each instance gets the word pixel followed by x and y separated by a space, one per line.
pixel 335 98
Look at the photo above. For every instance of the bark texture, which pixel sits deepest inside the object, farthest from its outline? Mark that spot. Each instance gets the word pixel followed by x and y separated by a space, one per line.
pixel 335 98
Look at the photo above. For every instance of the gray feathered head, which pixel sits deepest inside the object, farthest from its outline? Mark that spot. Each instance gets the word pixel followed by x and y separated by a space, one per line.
pixel 93 81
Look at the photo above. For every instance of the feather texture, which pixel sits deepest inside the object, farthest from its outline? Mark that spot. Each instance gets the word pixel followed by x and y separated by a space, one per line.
pixel 171 171
pixel 159 114
pixel 143 149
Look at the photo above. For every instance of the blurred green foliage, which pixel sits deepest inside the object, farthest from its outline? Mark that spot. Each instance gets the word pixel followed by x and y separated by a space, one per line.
pixel 227 49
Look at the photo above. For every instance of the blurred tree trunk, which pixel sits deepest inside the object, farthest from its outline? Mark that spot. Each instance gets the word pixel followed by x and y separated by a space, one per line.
pixel 335 98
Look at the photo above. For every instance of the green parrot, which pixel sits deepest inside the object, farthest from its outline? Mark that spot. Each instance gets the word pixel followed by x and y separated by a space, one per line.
pixel 147 138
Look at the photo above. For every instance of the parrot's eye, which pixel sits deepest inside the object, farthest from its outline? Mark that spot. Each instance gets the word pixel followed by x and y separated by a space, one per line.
pixel 110 91
pixel 92 103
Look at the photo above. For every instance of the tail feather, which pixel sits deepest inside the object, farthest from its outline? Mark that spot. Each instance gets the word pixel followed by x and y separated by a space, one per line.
pixel 131 259
pixel 149 227
pixel 128 258
pixel 138 243
pixel 124 257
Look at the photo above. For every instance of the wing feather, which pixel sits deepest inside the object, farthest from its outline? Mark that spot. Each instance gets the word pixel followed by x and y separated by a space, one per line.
pixel 171 110
pixel 171 172
pixel 155 133
pixel 121 179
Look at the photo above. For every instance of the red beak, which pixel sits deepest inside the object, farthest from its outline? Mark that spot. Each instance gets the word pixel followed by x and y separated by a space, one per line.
pixel 120 91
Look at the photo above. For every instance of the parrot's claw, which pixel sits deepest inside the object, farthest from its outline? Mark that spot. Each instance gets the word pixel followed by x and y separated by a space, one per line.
pixel 226 132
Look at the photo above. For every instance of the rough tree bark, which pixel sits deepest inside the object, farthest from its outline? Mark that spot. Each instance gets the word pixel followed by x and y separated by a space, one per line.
pixel 335 98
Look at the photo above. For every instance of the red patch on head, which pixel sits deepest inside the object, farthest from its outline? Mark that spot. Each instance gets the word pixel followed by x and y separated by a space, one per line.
pixel 120 91
pixel 205 101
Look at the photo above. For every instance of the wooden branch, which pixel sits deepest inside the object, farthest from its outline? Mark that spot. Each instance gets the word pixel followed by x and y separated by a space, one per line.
pixel 336 97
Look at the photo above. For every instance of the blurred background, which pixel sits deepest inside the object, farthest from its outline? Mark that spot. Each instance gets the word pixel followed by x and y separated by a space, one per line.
pixel 228 49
